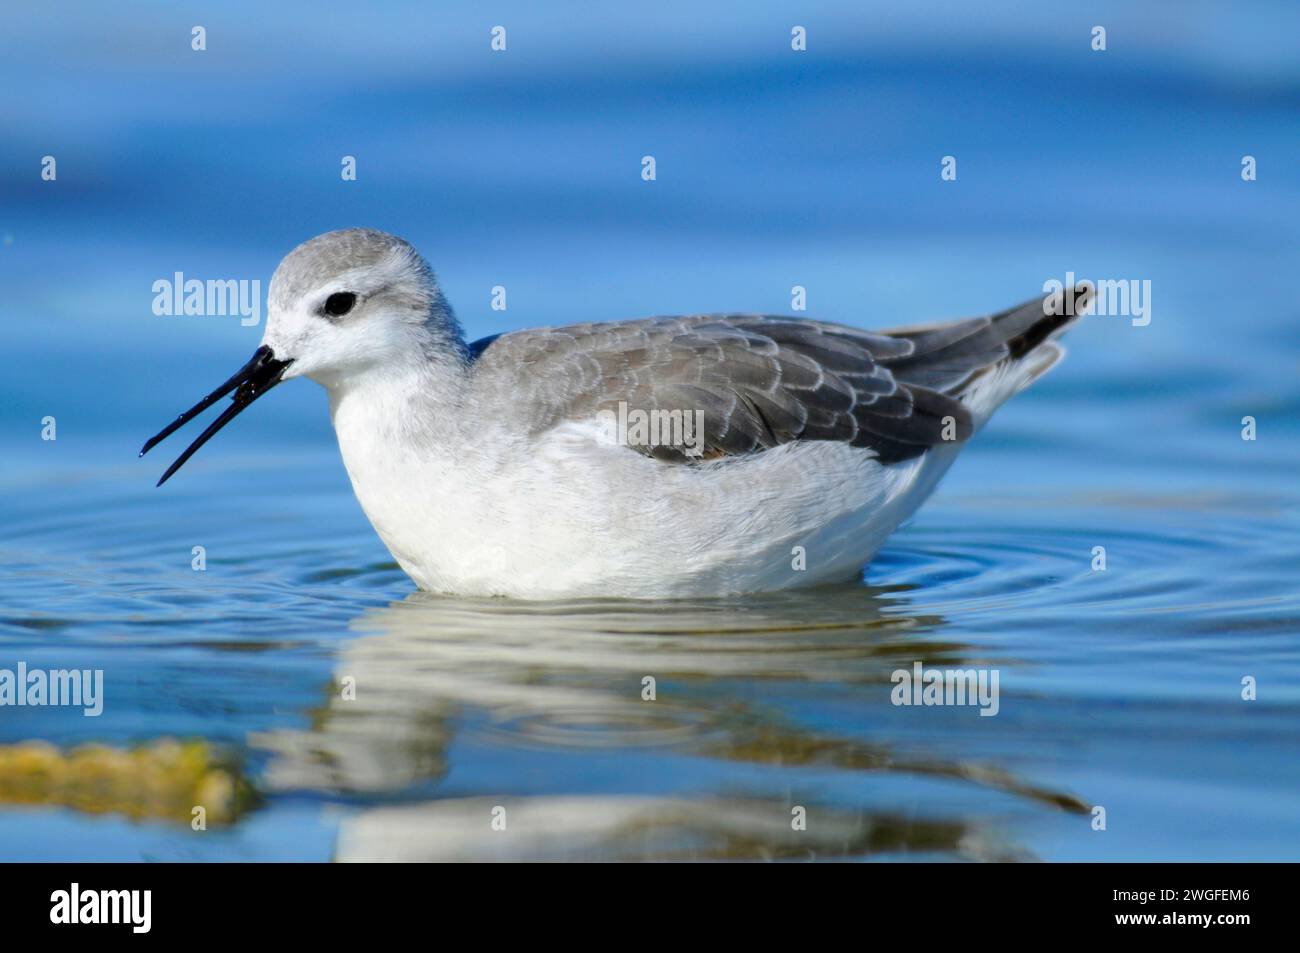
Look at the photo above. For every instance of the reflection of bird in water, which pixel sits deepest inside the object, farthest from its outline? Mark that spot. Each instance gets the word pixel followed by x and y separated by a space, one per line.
pixel 649 828
pixel 570 678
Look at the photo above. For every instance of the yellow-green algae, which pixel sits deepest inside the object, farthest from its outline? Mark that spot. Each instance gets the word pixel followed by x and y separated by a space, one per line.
pixel 163 780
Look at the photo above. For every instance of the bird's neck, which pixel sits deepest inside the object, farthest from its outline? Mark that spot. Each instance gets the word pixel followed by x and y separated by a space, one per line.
pixel 401 407
pixel 398 434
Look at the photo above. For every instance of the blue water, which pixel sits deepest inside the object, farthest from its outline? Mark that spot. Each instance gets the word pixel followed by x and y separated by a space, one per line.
pixel 1120 688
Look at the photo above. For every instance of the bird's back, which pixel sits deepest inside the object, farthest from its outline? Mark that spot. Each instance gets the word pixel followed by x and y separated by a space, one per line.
pixel 761 381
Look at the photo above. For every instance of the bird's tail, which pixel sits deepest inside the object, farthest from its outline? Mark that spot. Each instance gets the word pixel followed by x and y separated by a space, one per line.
pixel 984 361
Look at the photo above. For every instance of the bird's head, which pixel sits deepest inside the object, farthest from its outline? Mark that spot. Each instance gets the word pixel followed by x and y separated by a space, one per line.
pixel 341 305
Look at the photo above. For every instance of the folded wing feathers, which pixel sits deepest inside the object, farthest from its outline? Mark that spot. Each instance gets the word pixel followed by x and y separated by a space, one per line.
pixel 760 381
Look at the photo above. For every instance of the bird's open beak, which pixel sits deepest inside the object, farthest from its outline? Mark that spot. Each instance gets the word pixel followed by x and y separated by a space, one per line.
pixel 249 383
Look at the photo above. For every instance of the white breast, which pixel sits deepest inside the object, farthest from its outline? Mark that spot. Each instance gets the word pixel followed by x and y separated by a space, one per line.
pixel 571 515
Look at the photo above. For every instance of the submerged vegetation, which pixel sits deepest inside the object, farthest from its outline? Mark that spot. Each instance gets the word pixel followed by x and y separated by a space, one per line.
pixel 166 779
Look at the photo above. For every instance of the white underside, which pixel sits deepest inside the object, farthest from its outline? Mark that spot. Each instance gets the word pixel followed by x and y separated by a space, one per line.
pixel 570 514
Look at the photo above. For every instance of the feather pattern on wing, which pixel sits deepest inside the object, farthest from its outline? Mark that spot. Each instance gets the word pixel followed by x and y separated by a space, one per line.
pixel 760 381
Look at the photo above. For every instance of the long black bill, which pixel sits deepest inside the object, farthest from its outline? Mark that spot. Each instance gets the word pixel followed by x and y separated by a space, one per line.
pixel 249 383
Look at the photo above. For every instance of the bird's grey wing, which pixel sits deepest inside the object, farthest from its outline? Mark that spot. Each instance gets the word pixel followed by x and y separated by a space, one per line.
pixel 759 381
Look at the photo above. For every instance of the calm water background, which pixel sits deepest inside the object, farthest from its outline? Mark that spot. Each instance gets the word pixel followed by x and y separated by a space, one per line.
pixel 1119 688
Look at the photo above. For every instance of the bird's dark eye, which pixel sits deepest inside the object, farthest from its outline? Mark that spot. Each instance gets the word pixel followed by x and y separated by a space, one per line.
pixel 339 303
